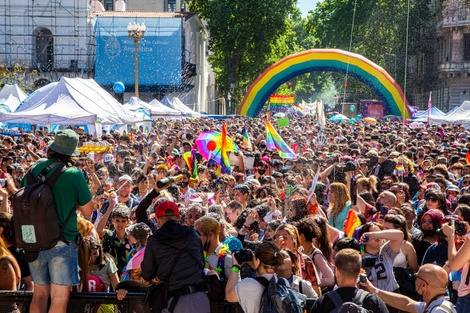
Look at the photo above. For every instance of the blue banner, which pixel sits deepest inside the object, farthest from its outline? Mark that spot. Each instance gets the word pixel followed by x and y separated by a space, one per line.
pixel 160 51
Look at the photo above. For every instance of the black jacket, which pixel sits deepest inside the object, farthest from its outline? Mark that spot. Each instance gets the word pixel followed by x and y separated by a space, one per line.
pixel 161 252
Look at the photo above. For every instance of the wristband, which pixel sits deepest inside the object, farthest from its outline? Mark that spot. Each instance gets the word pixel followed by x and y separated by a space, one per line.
pixel 235 269
pixel 237 266
pixel 377 290
pixel 246 226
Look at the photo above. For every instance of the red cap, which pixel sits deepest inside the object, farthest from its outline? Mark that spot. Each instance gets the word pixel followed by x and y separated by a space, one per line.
pixel 167 208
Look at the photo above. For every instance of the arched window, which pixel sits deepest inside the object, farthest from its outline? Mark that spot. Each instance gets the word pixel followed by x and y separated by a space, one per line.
pixel 44 56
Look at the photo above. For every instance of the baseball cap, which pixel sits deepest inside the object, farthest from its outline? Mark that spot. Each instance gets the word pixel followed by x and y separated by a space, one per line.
pixel 65 142
pixel 167 208
pixel 153 154
pixel 108 158
pixel 125 178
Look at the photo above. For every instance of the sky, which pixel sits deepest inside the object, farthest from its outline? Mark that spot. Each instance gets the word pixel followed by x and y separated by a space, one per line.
pixel 307 5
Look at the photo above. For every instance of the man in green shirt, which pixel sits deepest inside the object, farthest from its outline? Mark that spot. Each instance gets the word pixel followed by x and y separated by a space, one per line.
pixel 56 270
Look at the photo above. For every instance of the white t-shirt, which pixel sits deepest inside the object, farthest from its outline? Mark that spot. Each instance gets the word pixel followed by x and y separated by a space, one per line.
pixel 381 274
pixel 249 293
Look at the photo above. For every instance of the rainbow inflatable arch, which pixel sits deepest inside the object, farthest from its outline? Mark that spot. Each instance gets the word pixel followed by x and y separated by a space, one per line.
pixel 325 60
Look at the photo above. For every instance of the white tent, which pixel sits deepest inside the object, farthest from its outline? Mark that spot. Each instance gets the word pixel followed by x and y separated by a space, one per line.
pixel 460 115
pixel 75 101
pixel 423 115
pixel 162 109
pixel 12 96
pixel 135 104
pixel 180 106
pixel 36 97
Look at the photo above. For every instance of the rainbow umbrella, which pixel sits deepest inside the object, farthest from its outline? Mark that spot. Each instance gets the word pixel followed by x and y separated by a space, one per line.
pixel 209 144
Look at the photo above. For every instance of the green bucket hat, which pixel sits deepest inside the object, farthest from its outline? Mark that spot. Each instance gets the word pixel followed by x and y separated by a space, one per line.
pixel 65 142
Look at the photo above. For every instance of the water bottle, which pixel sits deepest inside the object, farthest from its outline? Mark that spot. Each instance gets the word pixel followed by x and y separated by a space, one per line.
pixel 167 181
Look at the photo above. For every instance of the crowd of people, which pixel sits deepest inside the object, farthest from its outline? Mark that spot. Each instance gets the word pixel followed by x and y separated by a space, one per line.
pixel 146 216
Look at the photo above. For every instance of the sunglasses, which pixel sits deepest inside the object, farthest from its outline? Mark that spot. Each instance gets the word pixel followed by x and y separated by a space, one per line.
pixel 466 182
pixel 418 277
pixel 431 199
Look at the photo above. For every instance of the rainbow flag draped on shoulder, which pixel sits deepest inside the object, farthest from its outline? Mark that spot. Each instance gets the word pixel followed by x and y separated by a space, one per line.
pixel 274 141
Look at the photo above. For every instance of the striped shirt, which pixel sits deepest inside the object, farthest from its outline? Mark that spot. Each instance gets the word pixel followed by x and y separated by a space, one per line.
pixel 381 274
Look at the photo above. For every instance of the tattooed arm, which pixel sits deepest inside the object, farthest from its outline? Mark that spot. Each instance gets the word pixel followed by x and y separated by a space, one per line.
pixel 8 276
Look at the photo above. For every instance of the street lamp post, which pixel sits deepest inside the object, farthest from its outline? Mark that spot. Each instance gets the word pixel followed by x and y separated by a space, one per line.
pixel 137 32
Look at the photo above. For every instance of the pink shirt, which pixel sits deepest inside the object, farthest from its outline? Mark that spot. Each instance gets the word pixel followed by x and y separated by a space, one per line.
pixel 464 289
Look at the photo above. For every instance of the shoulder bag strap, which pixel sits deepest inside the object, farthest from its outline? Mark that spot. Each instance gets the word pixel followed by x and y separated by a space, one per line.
pixel 335 297
pixel 59 167
pixel 360 296
pixel 41 176
pixel 263 281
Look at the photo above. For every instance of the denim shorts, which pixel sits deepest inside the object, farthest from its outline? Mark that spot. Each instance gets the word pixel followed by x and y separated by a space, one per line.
pixel 463 304
pixel 58 266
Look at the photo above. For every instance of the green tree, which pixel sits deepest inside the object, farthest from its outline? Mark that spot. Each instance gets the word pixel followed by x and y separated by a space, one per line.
pixel 245 39
pixel 19 75
pixel 379 33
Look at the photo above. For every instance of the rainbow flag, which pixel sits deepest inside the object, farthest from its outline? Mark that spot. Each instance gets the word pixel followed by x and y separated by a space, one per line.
pixel 400 169
pixel 297 110
pixel 467 157
pixel 274 141
pixel 246 142
pixel 224 164
pixel 352 222
pixel 187 157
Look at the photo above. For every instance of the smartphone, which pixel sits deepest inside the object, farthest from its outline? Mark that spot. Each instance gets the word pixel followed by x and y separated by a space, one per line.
pixel 363 278
pixel 368 261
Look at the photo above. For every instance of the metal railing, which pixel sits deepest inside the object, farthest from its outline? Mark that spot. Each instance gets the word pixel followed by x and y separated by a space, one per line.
pixel 89 302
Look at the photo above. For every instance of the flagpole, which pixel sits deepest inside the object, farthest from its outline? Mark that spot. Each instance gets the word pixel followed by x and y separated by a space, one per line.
pixel 429 106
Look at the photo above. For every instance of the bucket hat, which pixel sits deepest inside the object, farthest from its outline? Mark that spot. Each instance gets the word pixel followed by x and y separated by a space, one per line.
pixel 65 142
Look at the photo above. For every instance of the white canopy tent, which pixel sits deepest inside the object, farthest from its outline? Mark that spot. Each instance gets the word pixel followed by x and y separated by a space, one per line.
pixel 12 96
pixel 460 115
pixel 154 108
pixel 162 109
pixel 75 101
pixel 423 115
pixel 135 104
pixel 36 97
pixel 180 106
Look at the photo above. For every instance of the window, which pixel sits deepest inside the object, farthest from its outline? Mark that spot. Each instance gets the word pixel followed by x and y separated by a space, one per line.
pixel 466 47
pixel 172 5
pixel 108 5
pixel 44 49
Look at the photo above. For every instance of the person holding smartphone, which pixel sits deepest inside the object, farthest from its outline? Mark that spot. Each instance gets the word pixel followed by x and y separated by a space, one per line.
pixel 385 246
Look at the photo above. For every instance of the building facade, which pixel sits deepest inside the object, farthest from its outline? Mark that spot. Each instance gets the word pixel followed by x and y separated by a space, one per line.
pixel 58 38
pixel 453 53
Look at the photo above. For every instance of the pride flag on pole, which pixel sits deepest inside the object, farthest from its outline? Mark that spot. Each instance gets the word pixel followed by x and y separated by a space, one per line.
pixel 274 141
pixel 352 222
pixel 224 162
pixel 246 142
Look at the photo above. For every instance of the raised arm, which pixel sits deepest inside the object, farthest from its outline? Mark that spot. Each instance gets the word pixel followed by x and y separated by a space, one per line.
pixel 395 237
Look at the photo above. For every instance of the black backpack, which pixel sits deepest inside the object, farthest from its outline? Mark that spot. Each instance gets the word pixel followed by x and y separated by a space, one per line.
pixel 278 297
pixel 353 306
pixel 35 221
